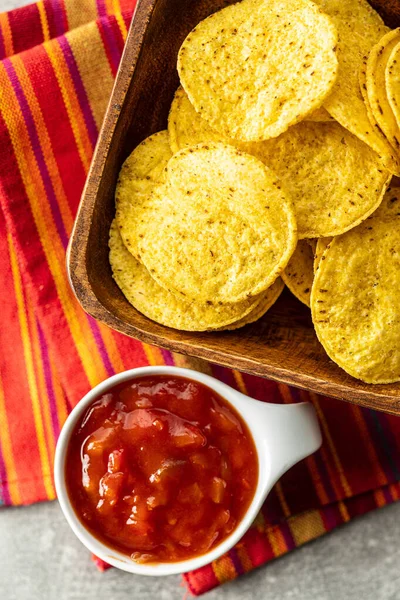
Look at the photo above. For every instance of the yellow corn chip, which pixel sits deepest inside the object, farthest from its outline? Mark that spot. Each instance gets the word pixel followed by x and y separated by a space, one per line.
pixel 355 296
pixel 255 68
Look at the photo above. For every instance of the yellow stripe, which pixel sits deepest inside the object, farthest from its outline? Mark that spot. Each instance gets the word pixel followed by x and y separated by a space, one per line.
pixel 43 20
pixel 79 327
pixel 88 49
pixel 71 102
pixel 30 374
pixel 7 452
pixel 120 20
pixel 276 540
pixel 224 569
pixel 79 13
pixel 111 348
pixel 153 355
pixel 306 526
pixel 328 437
pixel 7 34
pixel 45 144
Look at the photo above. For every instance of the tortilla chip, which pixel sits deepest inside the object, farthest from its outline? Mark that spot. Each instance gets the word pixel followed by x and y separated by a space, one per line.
pixel 161 306
pixel 226 229
pixel 299 273
pixel 231 66
pixel 355 297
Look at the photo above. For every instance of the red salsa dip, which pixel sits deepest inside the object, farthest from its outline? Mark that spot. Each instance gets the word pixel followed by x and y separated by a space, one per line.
pixel 161 468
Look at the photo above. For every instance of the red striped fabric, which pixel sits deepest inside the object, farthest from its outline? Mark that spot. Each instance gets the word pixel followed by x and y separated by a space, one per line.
pixel 58 62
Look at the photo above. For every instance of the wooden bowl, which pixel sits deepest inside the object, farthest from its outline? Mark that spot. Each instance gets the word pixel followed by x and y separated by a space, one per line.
pixel 282 345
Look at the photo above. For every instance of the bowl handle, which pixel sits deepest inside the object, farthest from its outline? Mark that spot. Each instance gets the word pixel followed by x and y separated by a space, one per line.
pixel 290 432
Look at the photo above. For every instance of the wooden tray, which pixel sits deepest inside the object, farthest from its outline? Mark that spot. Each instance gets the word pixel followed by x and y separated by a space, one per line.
pixel 282 345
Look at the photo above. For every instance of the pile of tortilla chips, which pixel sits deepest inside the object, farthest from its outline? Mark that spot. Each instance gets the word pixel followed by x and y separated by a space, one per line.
pixel 281 144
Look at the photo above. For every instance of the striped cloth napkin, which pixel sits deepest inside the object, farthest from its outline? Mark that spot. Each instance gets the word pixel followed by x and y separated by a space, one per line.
pixel 59 59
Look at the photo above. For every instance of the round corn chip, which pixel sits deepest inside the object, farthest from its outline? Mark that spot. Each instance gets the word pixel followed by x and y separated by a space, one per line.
pixel 269 297
pixel 141 171
pixel 392 77
pixel 335 180
pixel 320 115
pixel 231 66
pixel 360 28
pixel 186 127
pixel 161 306
pixel 226 230
pixel 355 297
pixel 299 273
pixel 322 247
pixel 376 87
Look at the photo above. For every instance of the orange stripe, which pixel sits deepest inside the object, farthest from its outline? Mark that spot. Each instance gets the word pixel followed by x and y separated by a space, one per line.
pixel 43 20
pixel 244 557
pixel 329 439
pixel 285 393
pixel 362 426
pixel 60 398
pixel 30 373
pixel 7 34
pixel 240 381
pixel 71 102
pixel 317 481
pixel 112 349
pixel 379 498
pixel 48 236
pixel 393 487
pixel 41 383
pixel 45 144
pixel 7 452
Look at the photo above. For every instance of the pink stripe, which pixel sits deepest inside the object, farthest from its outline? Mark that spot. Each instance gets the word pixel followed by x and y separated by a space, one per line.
pixel 101 8
pixel 110 43
pixel 5 498
pixel 37 149
pixel 79 88
pixel 49 382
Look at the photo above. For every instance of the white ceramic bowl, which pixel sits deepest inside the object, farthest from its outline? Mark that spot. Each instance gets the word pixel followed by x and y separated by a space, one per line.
pixel 283 435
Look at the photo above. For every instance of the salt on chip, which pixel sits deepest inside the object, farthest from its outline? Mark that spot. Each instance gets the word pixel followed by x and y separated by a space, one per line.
pixel 392 77
pixel 299 273
pixel 141 171
pixel 355 297
pixel 359 29
pixel 376 87
pixel 255 68
pixel 227 228
pixel 161 306
pixel 269 297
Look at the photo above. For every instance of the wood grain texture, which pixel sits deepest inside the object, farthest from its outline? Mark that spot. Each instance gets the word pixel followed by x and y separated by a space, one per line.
pixel 282 345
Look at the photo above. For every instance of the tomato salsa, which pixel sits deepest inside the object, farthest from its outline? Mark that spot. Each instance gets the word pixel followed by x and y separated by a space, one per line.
pixel 161 468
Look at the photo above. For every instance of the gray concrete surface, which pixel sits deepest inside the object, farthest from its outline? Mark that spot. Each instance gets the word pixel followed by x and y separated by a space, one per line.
pixel 40 559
